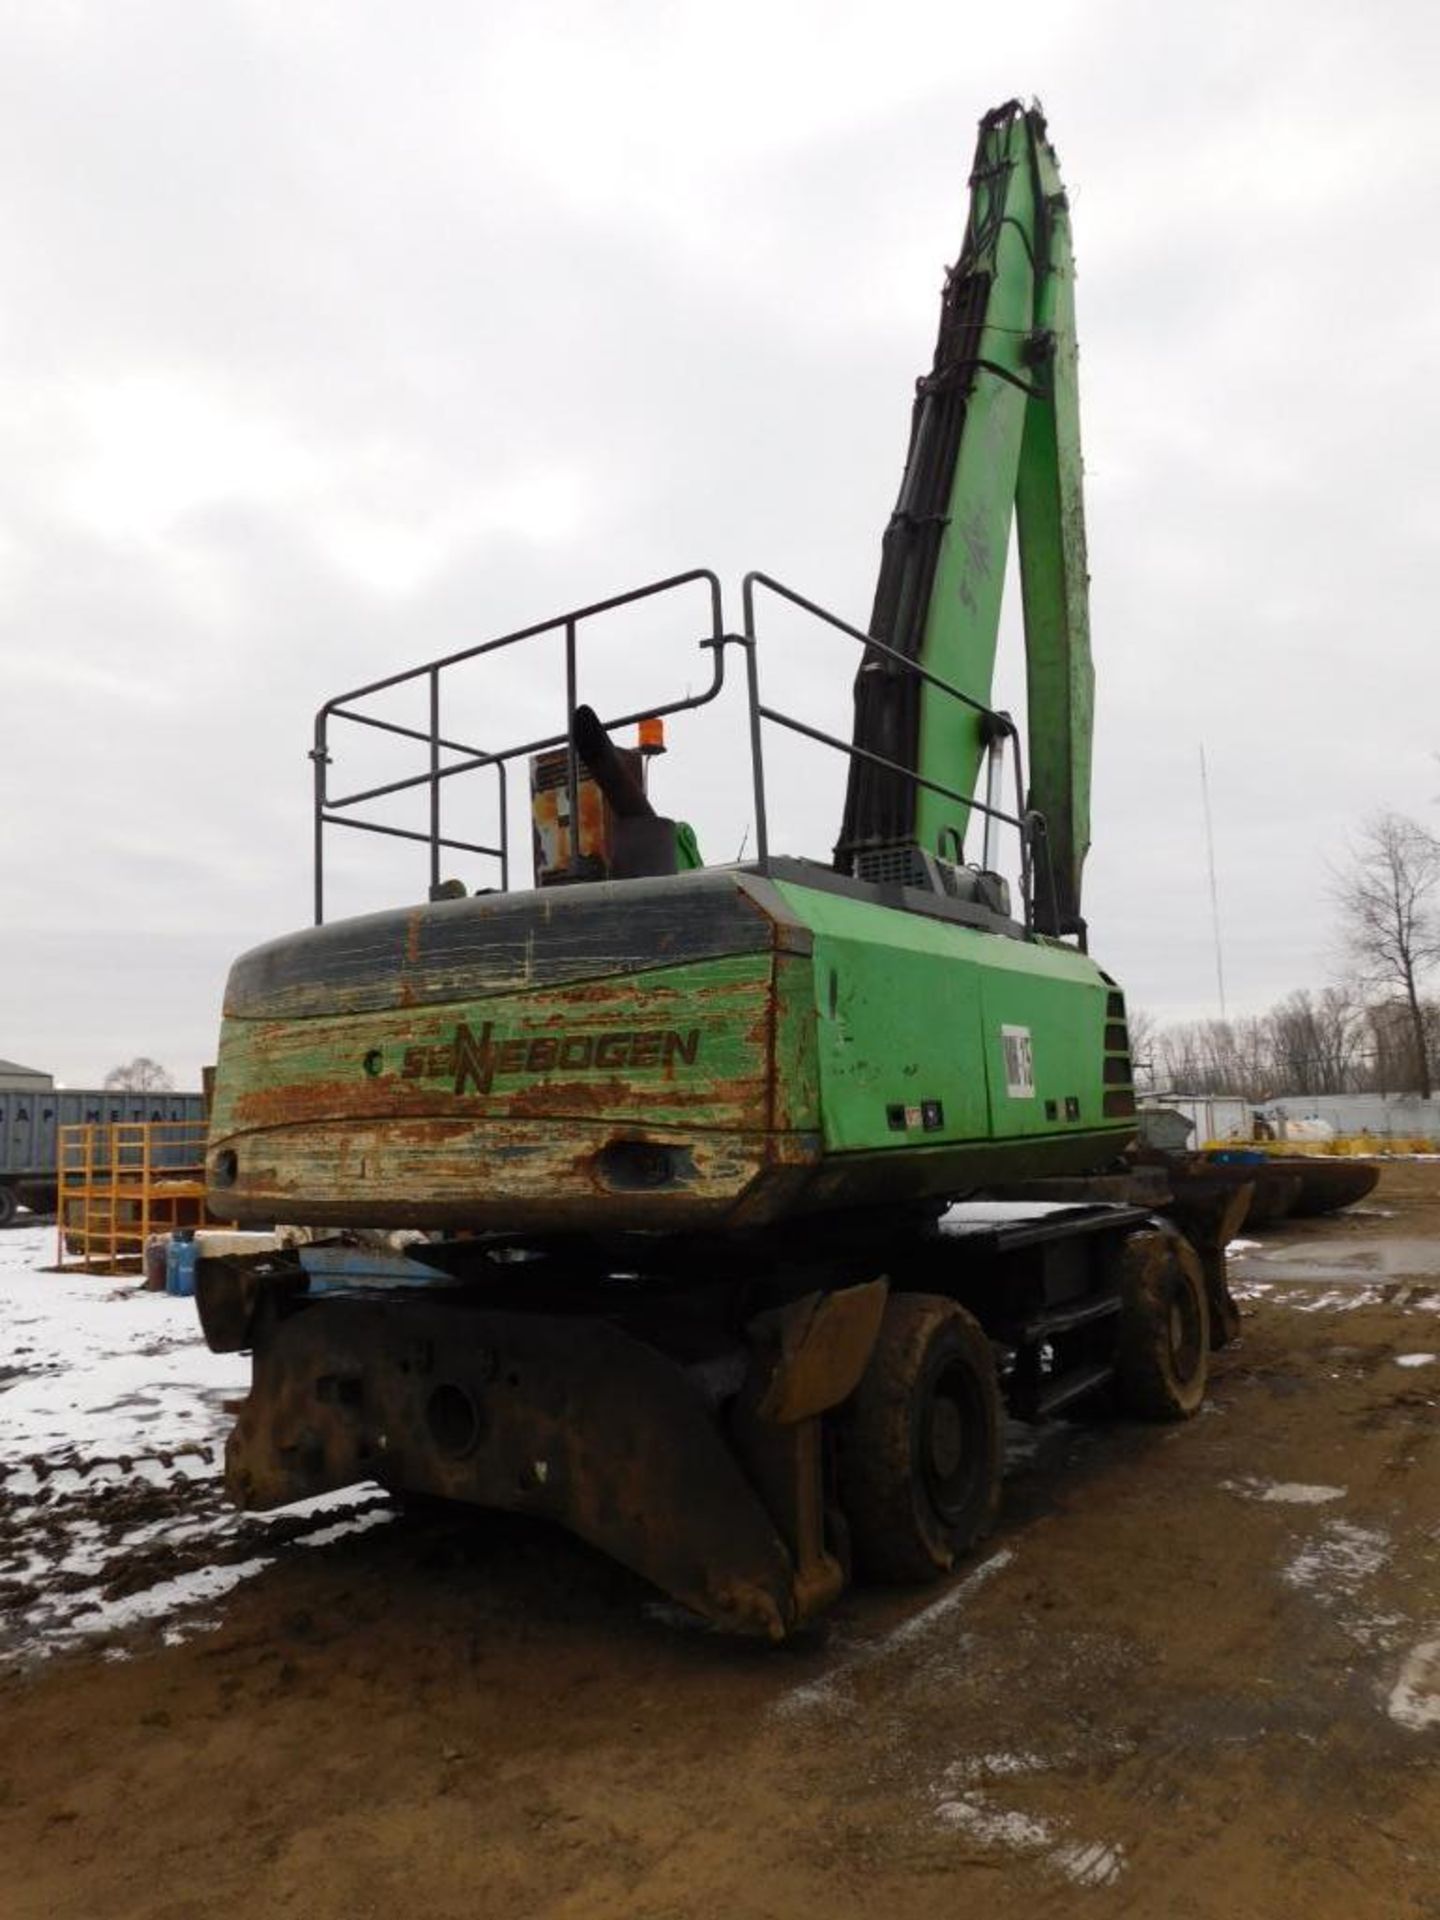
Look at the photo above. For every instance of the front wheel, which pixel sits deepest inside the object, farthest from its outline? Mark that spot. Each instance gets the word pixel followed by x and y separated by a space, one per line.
pixel 1162 1360
pixel 919 1453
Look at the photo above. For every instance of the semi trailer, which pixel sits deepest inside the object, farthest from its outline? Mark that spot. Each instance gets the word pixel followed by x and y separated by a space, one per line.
pixel 30 1123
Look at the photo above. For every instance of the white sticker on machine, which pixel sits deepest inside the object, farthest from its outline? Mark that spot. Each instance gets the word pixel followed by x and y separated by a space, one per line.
pixel 1019 1063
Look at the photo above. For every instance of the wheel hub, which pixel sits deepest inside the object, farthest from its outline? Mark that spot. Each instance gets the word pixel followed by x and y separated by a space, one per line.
pixel 945 1438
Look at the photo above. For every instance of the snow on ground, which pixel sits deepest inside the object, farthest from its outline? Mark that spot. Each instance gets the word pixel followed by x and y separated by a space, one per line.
pixel 1285 1493
pixel 1339 1560
pixel 113 1414
pixel 1415 1698
pixel 99 1367
pixel 973 1811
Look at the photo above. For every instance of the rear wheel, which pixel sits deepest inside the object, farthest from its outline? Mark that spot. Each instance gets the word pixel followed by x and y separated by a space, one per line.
pixel 9 1206
pixel 919 1442
pixel 1162 1361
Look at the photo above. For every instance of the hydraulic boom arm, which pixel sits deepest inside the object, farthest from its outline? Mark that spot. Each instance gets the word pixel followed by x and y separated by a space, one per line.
pixel 995 434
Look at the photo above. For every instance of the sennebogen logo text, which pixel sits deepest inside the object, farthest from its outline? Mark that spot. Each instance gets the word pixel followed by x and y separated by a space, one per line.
pixel 476 1061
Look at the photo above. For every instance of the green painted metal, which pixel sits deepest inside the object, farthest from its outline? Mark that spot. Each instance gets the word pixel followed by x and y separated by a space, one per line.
pixel 913 1013
pixel 687 848
pixel 963 619
pixel 1050 516
pixel 1013 372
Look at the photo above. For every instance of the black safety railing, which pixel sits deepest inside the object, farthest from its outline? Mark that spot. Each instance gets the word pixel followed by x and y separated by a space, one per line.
pixel 1027 825
pixel 339 810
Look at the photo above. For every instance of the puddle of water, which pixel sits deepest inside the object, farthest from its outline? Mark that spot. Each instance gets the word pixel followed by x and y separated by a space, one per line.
pixel 1344 1263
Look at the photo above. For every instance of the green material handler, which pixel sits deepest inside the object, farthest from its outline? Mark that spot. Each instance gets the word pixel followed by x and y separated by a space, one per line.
pixel 683 1144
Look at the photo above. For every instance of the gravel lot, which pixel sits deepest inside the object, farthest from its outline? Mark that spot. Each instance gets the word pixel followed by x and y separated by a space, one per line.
pixel 1196 1672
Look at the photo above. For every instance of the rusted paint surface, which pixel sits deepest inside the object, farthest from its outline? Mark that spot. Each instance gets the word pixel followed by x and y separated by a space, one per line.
pixel 582 1419
pixel 527 1108
pixel 569 1418
pixel 817 1349
pixel 513 1173
pixel 795 1074
pixel 408 1061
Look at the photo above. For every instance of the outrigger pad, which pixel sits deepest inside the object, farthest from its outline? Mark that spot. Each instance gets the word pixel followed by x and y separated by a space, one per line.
pixel 567 1417
pixel 819 1347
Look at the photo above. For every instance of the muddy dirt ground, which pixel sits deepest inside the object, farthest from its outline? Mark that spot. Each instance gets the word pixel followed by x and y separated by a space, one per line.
pixel 1195 1673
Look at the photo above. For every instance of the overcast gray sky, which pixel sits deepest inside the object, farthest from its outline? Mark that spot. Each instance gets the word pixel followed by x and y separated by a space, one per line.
pixel 337 335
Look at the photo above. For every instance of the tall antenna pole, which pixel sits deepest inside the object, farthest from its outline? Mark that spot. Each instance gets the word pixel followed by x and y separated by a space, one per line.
pixel 1214 892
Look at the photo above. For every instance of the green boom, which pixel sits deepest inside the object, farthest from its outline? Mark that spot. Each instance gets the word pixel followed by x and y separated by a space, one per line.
pixel 995 439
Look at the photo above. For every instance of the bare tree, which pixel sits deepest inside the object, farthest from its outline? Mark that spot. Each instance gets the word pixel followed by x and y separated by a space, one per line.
pixel 1331 1041
pixel 1316 1040
pixel 1391 917
pixel 1183 1057
pixel 1218 1057
pixel 140 1075
pixel 1391 1056
pixel 1176 1053
pixel 1143 1035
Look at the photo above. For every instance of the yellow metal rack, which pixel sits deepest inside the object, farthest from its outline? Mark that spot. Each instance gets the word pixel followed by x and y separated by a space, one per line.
pixel 122 1181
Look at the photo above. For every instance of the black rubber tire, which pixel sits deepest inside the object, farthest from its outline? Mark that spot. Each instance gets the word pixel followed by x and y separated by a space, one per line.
pixel 427 1509
pixel 9 1206
pixel 1163 1351
pixel 919 1451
